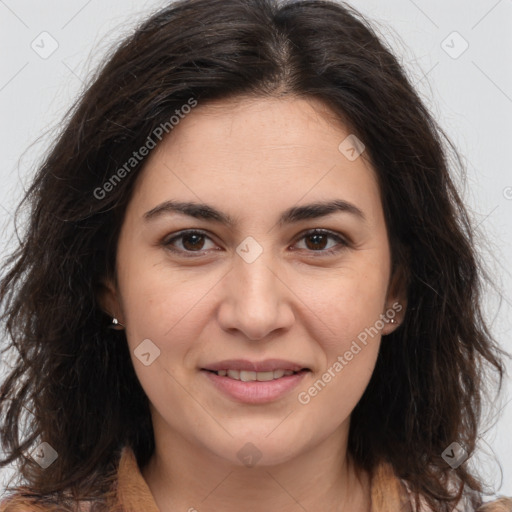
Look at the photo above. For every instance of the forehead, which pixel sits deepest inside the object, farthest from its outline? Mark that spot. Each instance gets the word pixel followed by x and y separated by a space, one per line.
pixel 251 127
pixel 256 151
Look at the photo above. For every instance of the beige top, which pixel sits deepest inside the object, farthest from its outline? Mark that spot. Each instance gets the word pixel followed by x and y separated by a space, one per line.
pixel 132 494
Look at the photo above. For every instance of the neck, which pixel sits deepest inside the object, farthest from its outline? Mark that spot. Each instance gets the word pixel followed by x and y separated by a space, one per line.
pixel 185 476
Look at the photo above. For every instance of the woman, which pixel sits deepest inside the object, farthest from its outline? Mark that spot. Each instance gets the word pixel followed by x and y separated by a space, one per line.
pixel 248 281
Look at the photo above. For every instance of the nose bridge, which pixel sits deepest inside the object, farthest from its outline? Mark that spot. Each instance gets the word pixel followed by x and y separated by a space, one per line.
pixel 252 264
pixel 256 303
pixel 256 278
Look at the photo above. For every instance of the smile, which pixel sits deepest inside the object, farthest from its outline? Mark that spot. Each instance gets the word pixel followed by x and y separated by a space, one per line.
pixel 252 387
pixel 249 376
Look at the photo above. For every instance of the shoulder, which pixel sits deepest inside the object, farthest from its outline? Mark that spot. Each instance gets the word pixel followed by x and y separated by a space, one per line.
pixel 18 503
pixel 23 499
pixel 389 492
pixel 500 505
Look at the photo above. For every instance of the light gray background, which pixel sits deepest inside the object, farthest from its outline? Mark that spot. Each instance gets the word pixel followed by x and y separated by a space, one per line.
pixel 470 95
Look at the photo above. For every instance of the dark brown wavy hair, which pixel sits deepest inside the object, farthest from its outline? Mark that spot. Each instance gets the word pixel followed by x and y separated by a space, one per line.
pixel 73 384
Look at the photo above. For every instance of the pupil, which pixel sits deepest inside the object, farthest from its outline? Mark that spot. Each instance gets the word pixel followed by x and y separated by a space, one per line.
pixel 193 245
pixel 318 239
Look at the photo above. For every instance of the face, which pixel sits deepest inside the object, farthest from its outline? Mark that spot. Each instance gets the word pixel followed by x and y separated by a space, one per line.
pixel 258 280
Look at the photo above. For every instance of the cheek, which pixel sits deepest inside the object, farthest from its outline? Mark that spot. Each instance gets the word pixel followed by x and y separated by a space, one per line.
pixel 171 320
pixel 349 305
pixel 331 396
pixel 168 312
pixel 347 315
pixel 160 302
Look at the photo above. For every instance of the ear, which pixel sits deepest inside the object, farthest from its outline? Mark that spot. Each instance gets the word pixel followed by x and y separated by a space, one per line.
pixel 108 299
pixel 396 300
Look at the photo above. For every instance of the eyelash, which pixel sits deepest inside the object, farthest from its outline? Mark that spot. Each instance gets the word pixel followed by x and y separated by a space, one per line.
pixel 192 254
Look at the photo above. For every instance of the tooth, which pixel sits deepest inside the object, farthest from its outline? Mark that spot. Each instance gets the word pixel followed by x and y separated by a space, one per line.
pixel 234 374
pixel 250 376
pixel 264 376
pixel 247 376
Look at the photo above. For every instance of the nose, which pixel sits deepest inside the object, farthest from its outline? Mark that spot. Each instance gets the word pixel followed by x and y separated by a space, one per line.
pixel 256 299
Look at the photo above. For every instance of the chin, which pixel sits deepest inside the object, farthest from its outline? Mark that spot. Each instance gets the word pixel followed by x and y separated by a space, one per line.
pixel 258 449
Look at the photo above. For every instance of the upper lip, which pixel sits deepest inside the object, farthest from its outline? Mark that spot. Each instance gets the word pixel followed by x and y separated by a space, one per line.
pixel 260 366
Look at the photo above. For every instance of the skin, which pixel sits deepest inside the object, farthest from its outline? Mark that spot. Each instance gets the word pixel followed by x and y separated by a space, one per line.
pixel 253 158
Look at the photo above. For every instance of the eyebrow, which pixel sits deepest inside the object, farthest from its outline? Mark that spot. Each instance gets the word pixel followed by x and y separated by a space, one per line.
pixel 292 215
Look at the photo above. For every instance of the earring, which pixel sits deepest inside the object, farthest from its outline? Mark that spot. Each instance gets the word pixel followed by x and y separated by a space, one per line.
pixel 116 325
pixel 393 321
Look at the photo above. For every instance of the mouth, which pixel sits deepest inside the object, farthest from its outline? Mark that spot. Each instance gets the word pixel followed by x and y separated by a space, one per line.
pixel 255 382
pixel 252 376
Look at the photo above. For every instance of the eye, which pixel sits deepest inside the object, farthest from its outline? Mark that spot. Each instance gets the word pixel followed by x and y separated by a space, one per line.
pixel 316 240
pixel 192 242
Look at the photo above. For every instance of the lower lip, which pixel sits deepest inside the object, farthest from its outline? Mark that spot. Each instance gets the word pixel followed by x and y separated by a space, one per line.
pixel 255 392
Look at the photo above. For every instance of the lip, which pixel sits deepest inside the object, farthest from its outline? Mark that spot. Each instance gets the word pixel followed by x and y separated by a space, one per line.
pixel 261 366
pixel 255 392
